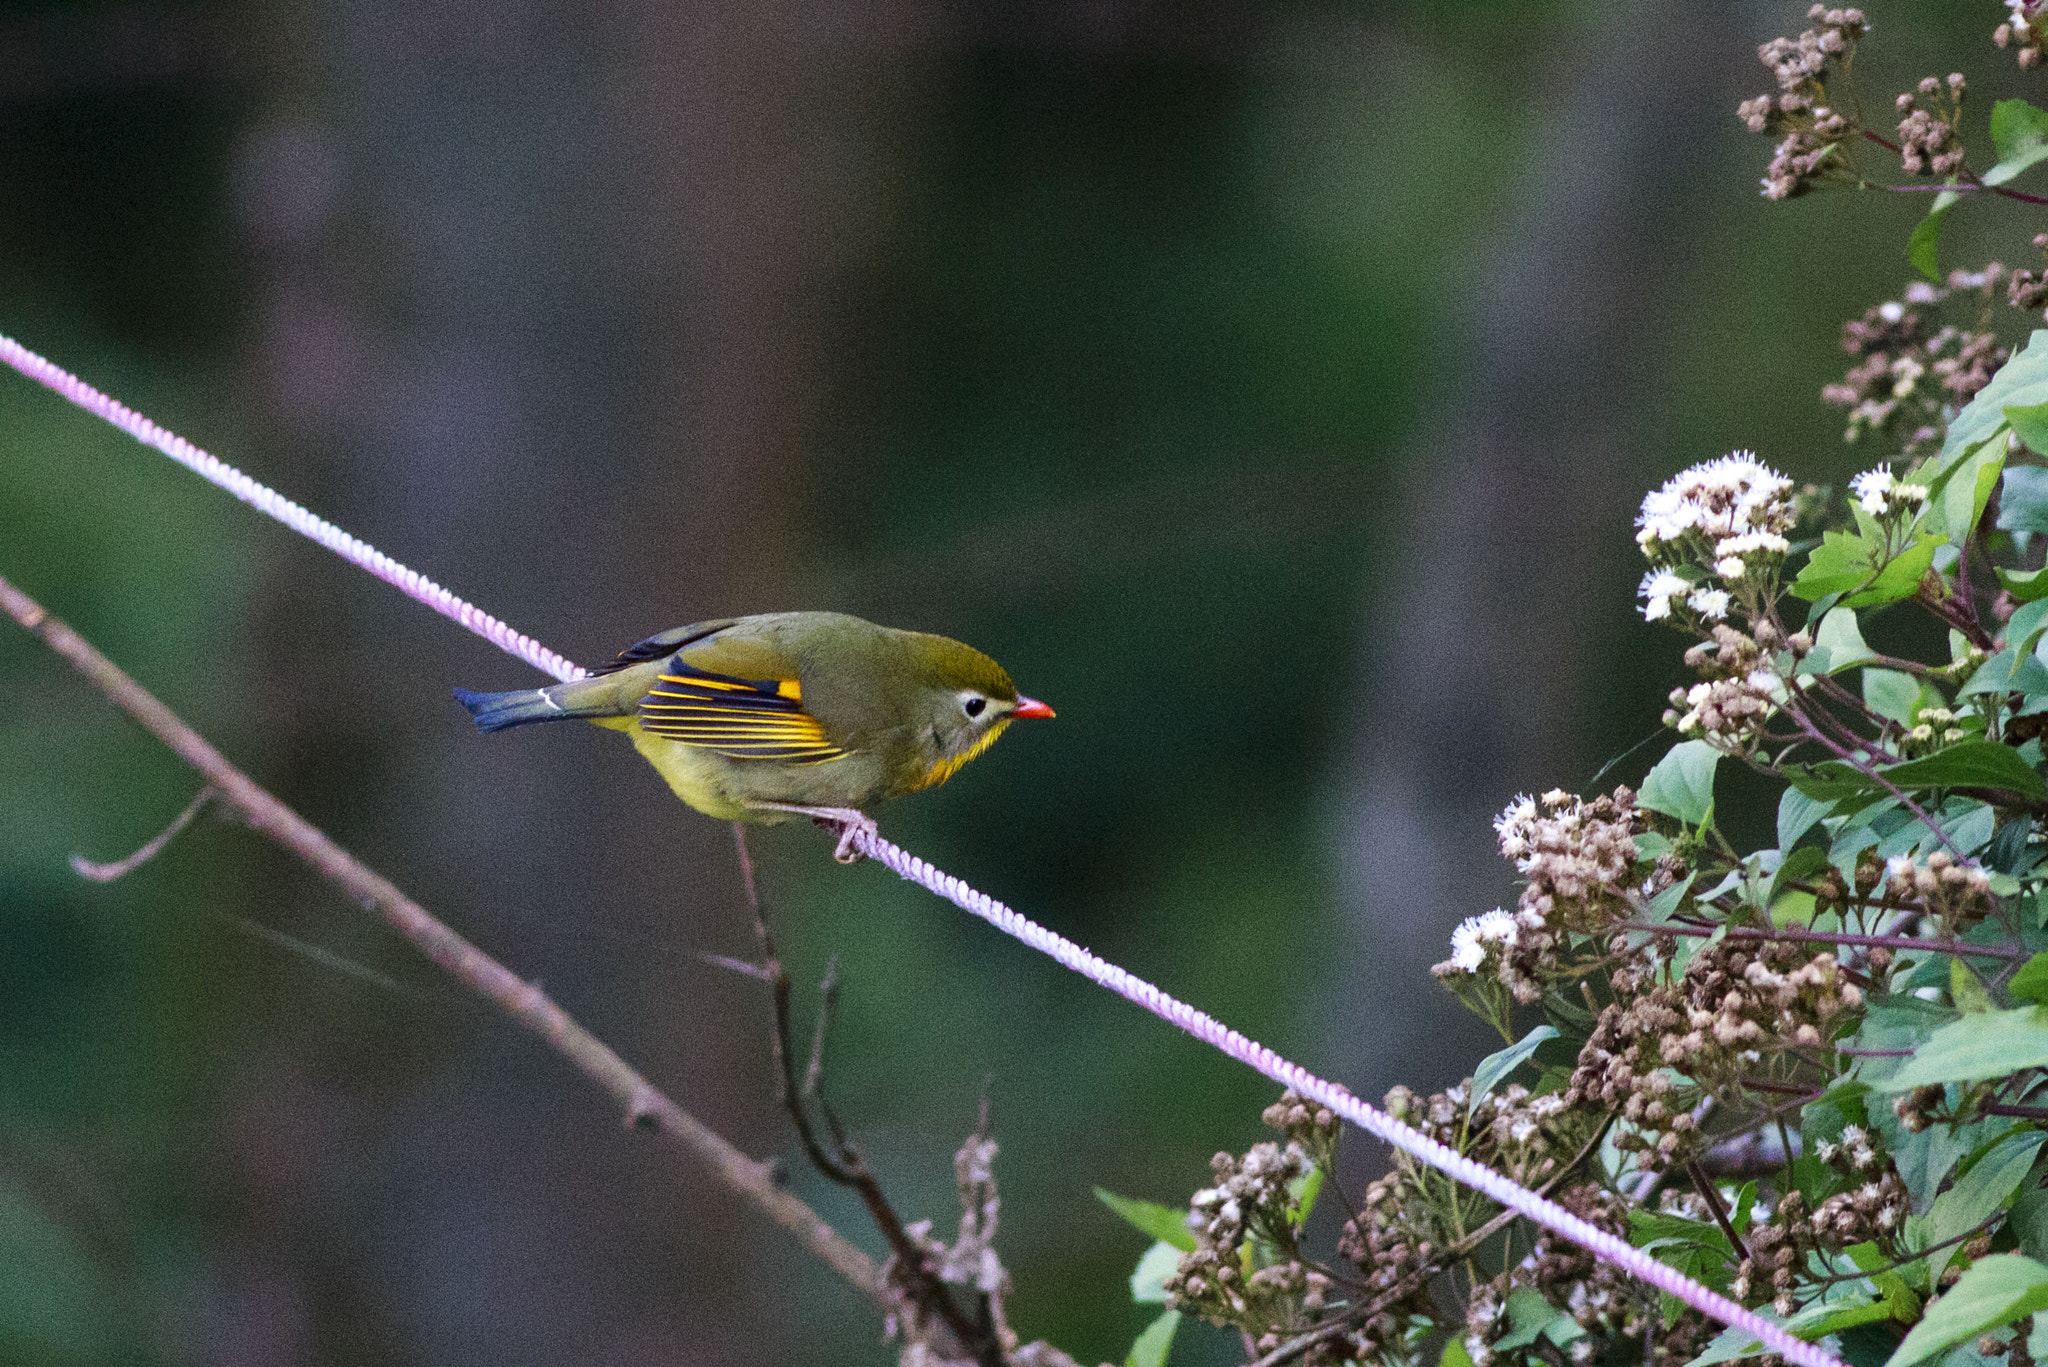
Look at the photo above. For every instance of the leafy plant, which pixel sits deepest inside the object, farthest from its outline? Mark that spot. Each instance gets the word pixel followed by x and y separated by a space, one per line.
pixel 1811 1074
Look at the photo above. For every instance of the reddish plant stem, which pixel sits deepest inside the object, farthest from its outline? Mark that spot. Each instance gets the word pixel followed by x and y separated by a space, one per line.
pixel 1971 186
pixel 1834 938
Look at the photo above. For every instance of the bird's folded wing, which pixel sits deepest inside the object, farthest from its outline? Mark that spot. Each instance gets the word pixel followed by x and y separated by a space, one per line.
pixel 738 718
pixel 667 643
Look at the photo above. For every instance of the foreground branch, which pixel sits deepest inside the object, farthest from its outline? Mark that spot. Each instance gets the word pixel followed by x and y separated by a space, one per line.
pixel 645 1106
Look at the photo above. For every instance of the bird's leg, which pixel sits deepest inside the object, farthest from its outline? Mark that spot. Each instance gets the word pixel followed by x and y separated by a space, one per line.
pixel 850 821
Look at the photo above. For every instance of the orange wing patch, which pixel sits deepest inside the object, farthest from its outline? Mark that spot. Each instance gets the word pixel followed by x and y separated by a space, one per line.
pixel 737 718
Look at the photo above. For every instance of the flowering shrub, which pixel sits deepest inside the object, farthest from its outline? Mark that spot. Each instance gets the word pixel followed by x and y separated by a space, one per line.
pixel 1812 1075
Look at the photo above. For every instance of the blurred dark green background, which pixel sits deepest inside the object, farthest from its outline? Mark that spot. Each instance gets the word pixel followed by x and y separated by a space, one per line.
pixel 1269 386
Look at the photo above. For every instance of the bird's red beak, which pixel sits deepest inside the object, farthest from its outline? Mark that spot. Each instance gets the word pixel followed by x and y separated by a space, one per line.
pixel 1032 707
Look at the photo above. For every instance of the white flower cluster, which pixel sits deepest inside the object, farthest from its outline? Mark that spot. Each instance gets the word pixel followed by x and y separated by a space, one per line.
pixel 1473 935
pixel 1724 515
pixel 1878 494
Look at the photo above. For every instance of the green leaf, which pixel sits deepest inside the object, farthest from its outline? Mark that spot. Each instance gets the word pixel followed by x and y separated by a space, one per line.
pixel 1530 1314
pixel 2030 984
pixel 1830 781
pixel 1892 694
pixel 1682 783
pixel 1454 1354
pixel 1840 562
pixel 1797 814
pixel 1995 1291
pixel 1968 490
pixel 1844 640
pixel 1494 1068
pixel 2029 586
pixel 1814 1321
pixel 1161 1222
pixel 1967 990
pixel 1970 764
pixel 2023 630
pixel 1303 1191
pixel 1978 1194
pixel 2029 1221
pixel 1148 1279
pixel 1655 1229
pixel 1151 1347
pixel 2020 133
pixel 2008 672
pixel 1987 1044
pixel 1666 902
pixel 1728 1346
pixel 2020 382
pixel 2023 499
pixel 1923 248
pixel 2030 423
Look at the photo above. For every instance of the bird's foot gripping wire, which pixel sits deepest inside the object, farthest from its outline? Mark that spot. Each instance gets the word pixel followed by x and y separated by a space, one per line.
pixel 848 821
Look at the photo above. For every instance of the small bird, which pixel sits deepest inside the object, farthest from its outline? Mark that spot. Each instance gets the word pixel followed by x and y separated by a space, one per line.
pixel 812 714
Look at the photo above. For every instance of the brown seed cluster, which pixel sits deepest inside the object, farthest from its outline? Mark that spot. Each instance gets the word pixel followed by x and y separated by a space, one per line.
pixel 1928 142
pixel 2022 31
pixel 2029 289
pixel 1403 1225
pixel 1958 894
pixel 1910 367
pixel 1777 1253
pixel 1811 135
pixel 1309 1124
pixel 1579 861
pixel 1738 693
pixel 1876 1208
pixel 1250 1203
pixel 1739 1007
pixel 1920 1107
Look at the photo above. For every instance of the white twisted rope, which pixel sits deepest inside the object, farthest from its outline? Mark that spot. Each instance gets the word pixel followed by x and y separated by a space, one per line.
pixel 1200 1024
pixel 265 500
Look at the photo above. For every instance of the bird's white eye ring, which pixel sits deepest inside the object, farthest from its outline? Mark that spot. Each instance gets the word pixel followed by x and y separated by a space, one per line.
pixel 974 706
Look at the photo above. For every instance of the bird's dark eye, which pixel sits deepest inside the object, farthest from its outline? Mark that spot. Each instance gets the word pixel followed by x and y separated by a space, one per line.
pixel 973 706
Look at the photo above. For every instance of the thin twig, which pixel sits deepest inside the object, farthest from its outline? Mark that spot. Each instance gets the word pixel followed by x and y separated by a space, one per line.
pixel 1711 1194
pixel 646 1106
pixel 107 873
pixel 843 1164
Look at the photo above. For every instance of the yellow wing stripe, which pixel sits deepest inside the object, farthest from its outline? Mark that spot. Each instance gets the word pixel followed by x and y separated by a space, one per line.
pixel 738 718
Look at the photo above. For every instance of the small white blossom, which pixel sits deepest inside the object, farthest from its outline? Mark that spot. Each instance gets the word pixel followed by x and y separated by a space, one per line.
pixel 1730 567
pixel 1709 603
pixel 1873 490
pixel 1467 954
pixel 1474 933
pixel 1752 543
pixel 1878 493
pixel 1657 590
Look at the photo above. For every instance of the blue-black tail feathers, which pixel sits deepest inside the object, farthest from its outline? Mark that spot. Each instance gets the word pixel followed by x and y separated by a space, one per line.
pixel 496 711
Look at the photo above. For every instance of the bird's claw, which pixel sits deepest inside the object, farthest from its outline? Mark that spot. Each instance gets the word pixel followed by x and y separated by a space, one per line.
pixel 850 822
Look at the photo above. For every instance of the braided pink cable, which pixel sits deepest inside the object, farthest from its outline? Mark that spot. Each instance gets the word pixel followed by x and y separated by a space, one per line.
pixel 409 582
pixel 1213 1032
pixel 1171 1009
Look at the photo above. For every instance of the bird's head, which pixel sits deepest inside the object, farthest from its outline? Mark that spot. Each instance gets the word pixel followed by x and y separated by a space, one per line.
pixel 967 700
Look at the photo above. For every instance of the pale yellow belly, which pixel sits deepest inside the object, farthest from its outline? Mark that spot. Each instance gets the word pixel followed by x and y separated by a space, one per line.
pixel 731 790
